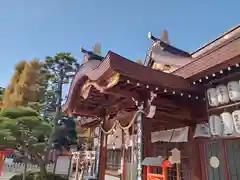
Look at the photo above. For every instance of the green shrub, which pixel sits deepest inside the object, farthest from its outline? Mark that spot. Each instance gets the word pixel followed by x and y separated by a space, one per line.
pixel 36 176
pixel 18 112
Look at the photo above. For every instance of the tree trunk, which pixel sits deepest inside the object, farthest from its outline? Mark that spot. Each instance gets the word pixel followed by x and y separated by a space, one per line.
pixel 43 171
pixel 25 165
pixel 40 161
pixel 57 115
pixel 59 100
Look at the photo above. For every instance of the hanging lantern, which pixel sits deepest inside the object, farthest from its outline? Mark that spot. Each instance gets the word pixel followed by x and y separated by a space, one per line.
pixel 222 94
pixel 234 90
pixel 165 163
pixel 236 120
pixel 227 121
pixel 212 97
pixel 215 124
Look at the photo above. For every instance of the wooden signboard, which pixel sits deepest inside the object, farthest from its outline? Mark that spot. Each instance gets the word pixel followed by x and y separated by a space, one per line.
pixel 63 165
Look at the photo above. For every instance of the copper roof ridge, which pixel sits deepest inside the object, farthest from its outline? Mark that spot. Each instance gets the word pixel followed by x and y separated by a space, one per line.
pixel 162 43
pixel 218 38
pixel 167 54
pixel 209 52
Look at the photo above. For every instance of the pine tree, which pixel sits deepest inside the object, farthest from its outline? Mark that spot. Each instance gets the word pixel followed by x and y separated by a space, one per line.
pixel 20 128
pixel 61 69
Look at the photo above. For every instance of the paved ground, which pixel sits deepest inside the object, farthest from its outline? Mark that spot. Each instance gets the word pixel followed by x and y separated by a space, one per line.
pixel 6 175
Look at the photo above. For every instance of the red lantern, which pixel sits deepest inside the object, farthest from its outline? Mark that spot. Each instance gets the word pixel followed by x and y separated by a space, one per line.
pixel 165 163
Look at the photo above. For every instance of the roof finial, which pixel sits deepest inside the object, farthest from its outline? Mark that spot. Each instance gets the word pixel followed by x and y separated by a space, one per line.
pixel 89 55
pixel 138 61
pixel 97 49
pixel 150 36
pixel 164 36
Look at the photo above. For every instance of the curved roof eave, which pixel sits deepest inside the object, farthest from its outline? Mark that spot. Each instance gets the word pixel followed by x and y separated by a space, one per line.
pixel 78 80
pixel 95 70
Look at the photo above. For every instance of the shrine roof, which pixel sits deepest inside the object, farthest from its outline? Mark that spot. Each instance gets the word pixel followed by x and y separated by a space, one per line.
pixel 114 72
pixel 214 56
pixel 162 52
pixel 98 73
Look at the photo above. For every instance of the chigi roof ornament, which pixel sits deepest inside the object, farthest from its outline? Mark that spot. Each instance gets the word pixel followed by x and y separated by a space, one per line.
pixel 91 55
pixel 164 37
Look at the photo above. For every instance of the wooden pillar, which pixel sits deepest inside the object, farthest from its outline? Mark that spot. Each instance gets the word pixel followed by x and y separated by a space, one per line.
pixel 194 156
pixel 98 151
pixel 139 143
pixel 147 143
pixel 123 160
pixel 165 173
pixel 102 156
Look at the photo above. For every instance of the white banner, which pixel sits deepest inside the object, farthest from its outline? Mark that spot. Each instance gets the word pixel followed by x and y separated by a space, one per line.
pixel 172 135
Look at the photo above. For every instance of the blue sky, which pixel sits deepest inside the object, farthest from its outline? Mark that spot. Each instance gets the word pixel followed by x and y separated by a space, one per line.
pixel 37 28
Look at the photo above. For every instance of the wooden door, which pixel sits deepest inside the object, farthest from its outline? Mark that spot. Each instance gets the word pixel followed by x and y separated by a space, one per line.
pixel 233 158
pixel 228 154
pixel 214 148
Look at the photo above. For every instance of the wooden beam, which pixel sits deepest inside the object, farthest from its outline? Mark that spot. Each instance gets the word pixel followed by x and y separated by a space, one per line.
pixel 198 111
pixel 162 127
pixel 121 93
pixel 86 112
pixel 121 105
pixel 106 103
pixel 174 116
pixel 160 100
pixel 182 112
pixel 123 117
